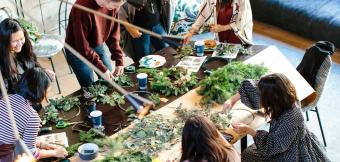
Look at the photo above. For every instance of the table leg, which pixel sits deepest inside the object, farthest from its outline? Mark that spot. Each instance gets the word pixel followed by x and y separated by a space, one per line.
pixel 69 66
pixel 244 143
pixel 56 78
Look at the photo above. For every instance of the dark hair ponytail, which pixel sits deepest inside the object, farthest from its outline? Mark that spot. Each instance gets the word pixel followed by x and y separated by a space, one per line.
pixel 34 84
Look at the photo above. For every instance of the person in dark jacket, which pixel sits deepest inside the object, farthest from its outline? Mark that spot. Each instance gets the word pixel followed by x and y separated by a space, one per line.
pixel 155 16
pixel 288 138
pixel 89 34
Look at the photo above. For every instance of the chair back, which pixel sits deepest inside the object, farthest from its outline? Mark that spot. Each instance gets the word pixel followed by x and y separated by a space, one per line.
pixel 315 68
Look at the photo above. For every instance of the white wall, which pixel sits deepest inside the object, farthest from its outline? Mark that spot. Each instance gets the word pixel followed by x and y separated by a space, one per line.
pixel 49 10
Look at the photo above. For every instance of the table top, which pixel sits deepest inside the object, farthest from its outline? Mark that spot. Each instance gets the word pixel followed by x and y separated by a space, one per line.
pixel 48 45
pixel 114 119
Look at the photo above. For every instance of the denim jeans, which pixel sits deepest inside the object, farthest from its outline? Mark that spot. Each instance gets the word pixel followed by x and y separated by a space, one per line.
pixel 142 45
pixel 83 72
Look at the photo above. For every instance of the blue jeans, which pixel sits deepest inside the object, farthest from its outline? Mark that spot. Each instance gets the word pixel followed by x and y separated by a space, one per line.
pixel 83 72
pixel 142 45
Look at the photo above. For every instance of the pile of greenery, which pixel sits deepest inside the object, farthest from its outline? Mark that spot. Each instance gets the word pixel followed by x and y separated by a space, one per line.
pixel 63 104
pixel 100 94
pixel 172 81
pixel 224 82
pixel 221 120
pixel 145 140
pixel 225 49
pixel 185 50
pixel 31 29
pixel 124 81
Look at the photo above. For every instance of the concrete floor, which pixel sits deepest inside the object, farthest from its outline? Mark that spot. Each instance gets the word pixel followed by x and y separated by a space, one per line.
pixel 328 105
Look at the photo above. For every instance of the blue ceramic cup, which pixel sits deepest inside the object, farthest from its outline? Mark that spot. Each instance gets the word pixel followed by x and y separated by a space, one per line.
pixel 88 151
pixel 142 81
pixel 96 117
pixel 199 48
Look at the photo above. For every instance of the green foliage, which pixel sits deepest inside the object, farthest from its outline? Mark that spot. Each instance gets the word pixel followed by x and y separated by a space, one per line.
pixel 73 149
pixel 63 104
pixel 152 134
pixel 186 50
pixel 172 81
pixel 147 138
pixel 31 29
pixel 87 136
pixel 224 82
pixel 222 121
pixel 225 49
pixel 154 97
pixel 97 91
pixel 133 156
pixel 113 99
pixel 50 114
pixel 124 81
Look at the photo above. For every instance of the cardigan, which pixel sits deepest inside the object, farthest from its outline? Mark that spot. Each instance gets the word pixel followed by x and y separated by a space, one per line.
pixel 241 21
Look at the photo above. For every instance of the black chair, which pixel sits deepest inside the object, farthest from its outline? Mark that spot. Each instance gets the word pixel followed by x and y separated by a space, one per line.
pixel 320 82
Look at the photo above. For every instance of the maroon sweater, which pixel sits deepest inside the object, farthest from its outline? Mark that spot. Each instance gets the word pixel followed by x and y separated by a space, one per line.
pixel 86 31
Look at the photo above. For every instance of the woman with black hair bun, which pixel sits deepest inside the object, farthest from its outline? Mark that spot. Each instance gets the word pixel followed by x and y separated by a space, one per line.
pixel 33 88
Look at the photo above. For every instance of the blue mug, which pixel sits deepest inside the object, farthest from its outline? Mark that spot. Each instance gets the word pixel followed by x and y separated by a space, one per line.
pixel 142 81
pixel 96 117
pixel 199 48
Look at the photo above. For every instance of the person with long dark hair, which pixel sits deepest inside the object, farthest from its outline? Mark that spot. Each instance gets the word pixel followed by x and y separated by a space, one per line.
pixel 233 18
pixel 16 53
pixel 288 138
pixel 201 141
pixel 33 88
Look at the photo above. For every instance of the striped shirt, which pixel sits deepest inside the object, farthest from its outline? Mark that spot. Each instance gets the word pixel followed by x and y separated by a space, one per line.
pixel 26 118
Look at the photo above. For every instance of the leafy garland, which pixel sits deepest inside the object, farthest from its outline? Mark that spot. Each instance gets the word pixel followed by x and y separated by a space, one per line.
pixel 225 49
pixel 186 50
pixel 146 139
pixel 172 81
pixel 99 93
pixel 224 82
pixel 124 81
pixel 154 133
pixel 64 103
pixel 222 121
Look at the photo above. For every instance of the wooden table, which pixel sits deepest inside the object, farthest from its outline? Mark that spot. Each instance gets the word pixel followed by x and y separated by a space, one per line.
pixel 270 57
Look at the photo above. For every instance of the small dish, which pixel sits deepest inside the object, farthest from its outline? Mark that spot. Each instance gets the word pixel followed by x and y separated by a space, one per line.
pixel 152 61
pixel 88 151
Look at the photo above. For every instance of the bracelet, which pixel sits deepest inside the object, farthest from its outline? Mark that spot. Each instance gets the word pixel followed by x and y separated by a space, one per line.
pixel 37 153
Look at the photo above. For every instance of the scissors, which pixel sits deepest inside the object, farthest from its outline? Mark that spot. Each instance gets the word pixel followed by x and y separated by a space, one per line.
pixel 63 124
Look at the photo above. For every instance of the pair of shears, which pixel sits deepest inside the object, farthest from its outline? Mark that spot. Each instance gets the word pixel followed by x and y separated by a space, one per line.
pixel 63 124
